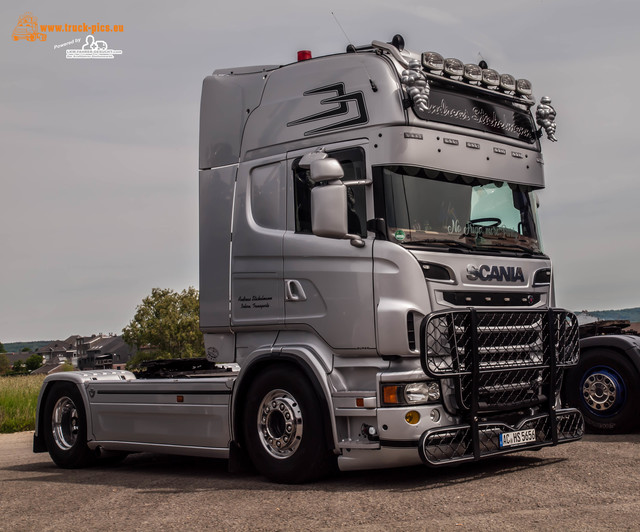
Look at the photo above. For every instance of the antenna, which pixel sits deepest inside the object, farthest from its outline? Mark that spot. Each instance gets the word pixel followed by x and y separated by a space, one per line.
pixel 342 29
pixel 352 48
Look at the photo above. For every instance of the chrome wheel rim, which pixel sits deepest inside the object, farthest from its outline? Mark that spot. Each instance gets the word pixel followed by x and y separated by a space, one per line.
pixel 65 423
pixel 280 424
pixel 603 391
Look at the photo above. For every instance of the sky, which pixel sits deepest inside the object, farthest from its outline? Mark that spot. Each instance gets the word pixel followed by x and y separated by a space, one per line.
pixel 99 158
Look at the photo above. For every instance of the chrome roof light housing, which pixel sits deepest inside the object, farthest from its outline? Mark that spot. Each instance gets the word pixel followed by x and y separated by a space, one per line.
pixel 507 83
pixel 472 73
pixel 490 78
pixel 454 68
pixel 433 62
pixel 523 87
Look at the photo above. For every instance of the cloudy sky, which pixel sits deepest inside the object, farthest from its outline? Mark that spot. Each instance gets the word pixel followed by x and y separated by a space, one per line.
pixel 98 159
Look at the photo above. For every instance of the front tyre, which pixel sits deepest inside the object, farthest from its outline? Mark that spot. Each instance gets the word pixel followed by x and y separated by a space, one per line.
pixel 604 386
pixel 283 428
pixel 65 427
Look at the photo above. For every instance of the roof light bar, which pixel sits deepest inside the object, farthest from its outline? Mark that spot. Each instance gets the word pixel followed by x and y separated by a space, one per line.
pixel 478 75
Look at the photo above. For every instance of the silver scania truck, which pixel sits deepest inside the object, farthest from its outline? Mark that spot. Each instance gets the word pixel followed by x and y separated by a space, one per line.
pixel 373 289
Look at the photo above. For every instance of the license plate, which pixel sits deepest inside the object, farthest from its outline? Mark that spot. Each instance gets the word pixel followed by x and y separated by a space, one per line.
pixel 518 437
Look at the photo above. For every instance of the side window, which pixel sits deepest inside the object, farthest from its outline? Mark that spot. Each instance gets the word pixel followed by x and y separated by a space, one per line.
pixel 353 164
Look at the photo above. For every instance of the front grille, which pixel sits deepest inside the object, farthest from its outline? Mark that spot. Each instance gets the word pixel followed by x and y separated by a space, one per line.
pixel 500 360
pixel 458 444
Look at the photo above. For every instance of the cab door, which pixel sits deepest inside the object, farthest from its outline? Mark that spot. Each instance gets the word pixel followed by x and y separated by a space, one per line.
pixel 328 282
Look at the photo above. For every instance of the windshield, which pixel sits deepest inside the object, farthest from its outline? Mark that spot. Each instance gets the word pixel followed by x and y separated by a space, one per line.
pixel 432 208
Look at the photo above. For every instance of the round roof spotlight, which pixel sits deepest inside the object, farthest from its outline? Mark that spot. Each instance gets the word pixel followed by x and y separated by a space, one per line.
pixel 398 42
pixel 490 78
pixel 473 74
pixel 507 83
pixel 523 86
pixel 433 62
pixel 453 68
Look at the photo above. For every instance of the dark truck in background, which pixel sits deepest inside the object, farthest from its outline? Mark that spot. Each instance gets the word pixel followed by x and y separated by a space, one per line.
pixel 605 385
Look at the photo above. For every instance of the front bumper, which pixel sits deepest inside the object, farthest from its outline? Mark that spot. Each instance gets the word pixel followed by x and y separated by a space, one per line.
pixel 466 443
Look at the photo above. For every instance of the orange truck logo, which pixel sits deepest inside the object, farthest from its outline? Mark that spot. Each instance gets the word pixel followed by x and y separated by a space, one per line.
pixel 27 28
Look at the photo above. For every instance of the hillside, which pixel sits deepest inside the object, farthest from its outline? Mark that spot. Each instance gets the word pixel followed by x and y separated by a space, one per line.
pixel 15 347
pixel 631 314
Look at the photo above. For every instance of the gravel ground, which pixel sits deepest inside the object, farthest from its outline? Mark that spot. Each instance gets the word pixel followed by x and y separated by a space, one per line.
pixel 593 484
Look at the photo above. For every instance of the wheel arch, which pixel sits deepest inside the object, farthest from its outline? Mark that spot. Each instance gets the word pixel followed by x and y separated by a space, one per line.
pixel 45 391
pixel 301 360
pixel 626 345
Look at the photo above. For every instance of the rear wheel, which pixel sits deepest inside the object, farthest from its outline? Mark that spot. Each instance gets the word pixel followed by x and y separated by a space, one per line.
pixel 283 428
pixel 604 386
pixel 65 427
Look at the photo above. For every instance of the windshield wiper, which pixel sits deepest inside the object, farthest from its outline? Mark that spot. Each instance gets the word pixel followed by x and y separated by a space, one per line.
pixel 449 242
pixel 520 247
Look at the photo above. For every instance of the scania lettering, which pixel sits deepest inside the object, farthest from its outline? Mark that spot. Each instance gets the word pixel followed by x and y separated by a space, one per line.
pixel 342 200
pixel 485 272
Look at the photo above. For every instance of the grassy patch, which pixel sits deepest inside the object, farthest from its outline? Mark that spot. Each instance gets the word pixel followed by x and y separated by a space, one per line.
pixel 18 401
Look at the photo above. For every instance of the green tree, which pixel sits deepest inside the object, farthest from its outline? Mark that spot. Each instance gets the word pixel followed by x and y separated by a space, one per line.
pixel 33 362
pixel 5 365
pixel 168 322
pixel 18 367
pixel 2 349
pixel 25 350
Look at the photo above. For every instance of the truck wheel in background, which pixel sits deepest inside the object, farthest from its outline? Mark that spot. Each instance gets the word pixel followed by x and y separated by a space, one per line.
pixel 65 427
pixel 283 429
pixel 604 386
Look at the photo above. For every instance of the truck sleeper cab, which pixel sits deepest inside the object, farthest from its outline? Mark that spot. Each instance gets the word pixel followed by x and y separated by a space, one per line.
pixel 371 270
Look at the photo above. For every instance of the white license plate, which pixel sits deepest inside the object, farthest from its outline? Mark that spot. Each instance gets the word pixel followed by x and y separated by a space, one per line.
pixel 518 437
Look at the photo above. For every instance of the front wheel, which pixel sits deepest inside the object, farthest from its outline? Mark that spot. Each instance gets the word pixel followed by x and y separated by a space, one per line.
pixel 604 386
pixel 65 427
pixel 283 428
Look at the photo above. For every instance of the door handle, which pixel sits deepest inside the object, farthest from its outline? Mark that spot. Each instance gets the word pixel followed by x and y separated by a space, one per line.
pixel 293 290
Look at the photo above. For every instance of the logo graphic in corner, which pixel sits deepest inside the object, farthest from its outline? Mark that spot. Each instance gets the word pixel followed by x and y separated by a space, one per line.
pixel 27 29
pixel 341 100
pixel 93 49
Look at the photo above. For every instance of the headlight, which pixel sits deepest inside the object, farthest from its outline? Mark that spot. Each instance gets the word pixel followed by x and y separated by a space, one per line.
pixel 454 68
pixel 411 393
pixel 490 78
pixel 507 82
pixel 523 86
pixel 433 62
pixel 473 73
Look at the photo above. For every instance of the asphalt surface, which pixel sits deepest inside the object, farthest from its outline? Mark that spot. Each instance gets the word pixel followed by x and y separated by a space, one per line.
pixel 593 484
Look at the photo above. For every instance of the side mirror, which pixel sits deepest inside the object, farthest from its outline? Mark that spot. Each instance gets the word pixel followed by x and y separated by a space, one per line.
pixel 329 202
pixel 325 170
pixel 329 210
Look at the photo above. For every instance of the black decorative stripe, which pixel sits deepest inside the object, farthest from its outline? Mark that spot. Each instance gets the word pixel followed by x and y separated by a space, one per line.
pixel 163 392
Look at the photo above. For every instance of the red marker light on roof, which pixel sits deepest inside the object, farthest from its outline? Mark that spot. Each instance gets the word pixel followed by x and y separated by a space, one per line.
pixel 303 55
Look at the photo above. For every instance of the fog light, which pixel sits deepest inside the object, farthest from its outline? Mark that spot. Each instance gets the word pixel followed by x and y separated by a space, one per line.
pixel 435 415
pixel 412 417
